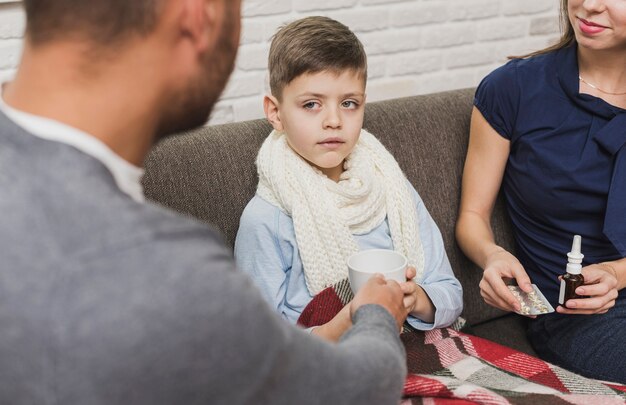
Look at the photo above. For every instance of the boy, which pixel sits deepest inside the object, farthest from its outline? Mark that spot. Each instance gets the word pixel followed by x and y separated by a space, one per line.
pixel 327 188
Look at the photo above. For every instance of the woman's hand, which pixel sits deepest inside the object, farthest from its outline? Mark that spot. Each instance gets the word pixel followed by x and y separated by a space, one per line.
pixel 601 289
pixel 501 265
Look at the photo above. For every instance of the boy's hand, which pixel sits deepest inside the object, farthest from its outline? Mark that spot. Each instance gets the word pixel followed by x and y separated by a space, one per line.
pixel 409 288
pixel 336 327
pixel 386 293
pixel 416 301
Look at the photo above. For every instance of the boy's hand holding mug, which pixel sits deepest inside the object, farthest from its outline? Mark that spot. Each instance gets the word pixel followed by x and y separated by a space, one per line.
pixel 409 288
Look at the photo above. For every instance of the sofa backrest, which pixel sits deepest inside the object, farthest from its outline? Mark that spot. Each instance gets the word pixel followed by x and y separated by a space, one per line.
pixel 210 173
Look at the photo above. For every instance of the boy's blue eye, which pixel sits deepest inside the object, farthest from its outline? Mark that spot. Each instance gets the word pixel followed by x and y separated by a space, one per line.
pixel 349 104
pixel 310 105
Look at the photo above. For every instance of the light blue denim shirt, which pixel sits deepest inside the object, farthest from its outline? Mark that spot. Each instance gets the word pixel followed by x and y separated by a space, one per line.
pixel 267 250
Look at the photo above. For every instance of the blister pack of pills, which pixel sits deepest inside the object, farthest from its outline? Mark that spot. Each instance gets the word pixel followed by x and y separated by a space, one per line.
pixel 533 303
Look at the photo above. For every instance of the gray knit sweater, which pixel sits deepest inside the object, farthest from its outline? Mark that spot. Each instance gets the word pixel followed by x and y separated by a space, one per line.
pixel 104 300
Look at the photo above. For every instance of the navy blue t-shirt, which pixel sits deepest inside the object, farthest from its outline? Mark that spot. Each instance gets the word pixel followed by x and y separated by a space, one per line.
pixel 560 167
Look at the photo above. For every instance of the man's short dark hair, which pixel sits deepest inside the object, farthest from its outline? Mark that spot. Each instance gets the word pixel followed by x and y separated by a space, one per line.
pixel 312 45
pixel 99 21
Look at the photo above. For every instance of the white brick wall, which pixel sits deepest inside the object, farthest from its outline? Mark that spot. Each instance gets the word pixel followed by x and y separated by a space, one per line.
pixel 413 46
pixel 11 28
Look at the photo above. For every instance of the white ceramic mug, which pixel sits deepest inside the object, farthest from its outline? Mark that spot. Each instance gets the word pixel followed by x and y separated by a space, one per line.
pixel 364 264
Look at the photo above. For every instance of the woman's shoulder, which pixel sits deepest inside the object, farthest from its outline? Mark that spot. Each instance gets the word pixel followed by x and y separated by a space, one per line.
pixel 518 79
pixel 541 64
pixel 522 69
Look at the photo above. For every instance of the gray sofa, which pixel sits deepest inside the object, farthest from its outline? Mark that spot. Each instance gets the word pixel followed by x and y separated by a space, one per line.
pixel 210 174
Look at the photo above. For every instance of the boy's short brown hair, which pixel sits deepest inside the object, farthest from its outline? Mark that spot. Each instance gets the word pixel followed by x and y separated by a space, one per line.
pixel 312 45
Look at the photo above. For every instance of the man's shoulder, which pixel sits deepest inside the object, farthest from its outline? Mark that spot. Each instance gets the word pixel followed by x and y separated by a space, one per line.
pixel 67 205
pixel 160 235
pixel 161 225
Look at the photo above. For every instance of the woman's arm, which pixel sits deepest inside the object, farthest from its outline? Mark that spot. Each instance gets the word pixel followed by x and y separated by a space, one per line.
pixel 487 155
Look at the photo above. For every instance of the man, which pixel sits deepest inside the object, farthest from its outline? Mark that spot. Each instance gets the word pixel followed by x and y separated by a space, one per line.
pixel 105 298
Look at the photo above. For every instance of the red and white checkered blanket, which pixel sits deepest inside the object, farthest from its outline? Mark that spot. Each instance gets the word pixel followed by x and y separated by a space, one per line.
pixel 450 367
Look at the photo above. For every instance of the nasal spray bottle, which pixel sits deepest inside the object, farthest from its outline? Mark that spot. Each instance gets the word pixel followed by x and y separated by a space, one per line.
pixel 573 278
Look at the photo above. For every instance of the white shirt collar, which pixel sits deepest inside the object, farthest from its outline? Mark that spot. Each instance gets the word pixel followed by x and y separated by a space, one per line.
pixel 126 175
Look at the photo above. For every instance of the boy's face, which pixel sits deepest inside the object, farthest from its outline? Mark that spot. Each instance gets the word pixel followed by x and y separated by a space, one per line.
pixel 322 116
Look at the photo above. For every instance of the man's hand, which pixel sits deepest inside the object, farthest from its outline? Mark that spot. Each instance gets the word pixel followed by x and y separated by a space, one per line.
pixel 601 289
pixel 386 293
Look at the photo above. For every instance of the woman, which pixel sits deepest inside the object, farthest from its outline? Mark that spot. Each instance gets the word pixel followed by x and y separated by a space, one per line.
pixel 550 129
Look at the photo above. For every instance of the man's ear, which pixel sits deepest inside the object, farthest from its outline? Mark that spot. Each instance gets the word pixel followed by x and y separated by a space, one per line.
pixel 270 106
pixel 201 20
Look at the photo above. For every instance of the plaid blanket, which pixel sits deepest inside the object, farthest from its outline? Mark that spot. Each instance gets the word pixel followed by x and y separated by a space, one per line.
pixel 446 366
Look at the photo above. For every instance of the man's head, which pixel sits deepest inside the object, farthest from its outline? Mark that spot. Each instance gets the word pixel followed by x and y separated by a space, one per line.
pixel 181 52
pixel 313 45
pixel 103 22
pixel 191 105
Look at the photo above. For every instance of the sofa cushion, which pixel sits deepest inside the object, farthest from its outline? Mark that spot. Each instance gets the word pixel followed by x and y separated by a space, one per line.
pixel 209 173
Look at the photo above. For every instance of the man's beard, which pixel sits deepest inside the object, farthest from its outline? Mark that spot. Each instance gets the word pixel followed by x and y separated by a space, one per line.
pixel 190 108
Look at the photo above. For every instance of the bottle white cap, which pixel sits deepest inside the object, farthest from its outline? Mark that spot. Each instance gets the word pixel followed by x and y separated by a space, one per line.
pixel 575 257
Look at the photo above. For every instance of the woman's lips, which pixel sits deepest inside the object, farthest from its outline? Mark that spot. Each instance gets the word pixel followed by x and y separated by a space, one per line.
pixel 589 27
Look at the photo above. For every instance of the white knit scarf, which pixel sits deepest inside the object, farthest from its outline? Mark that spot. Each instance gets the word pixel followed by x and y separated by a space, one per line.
pixel 326 214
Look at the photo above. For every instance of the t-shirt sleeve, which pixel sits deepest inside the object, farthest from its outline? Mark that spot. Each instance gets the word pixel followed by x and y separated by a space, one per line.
pixel 497 99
